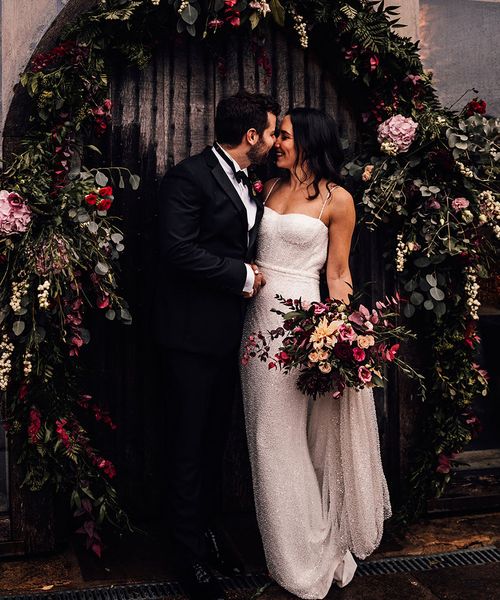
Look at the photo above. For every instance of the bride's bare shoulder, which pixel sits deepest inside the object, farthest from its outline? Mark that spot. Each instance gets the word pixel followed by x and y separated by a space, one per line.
pixel 341 202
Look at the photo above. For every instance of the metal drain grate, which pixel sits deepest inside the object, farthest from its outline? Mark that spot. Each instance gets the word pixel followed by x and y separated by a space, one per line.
pixel 146 591
pixel 409 564
pixel 173 591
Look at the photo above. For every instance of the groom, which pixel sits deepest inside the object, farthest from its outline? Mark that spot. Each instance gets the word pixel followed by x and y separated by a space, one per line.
pixel 209 216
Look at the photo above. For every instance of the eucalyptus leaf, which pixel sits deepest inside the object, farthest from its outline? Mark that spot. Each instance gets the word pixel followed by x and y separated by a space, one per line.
pixel 437 293
pixel 101 268
pixel 72 213
pixel 101 179
pixel 440 309
pixel 189 14
pixel 409 286
pixel 428 305
pixel 93 227
pixel 434 189
pixel 416 298
pixel 191 29
pixel 116 237
pixel 121 182
pixel 409 310
pixel 134 181
pixel 120 247
pixel 125 315
pixel 181 26
pixel 85 335
pixel 3 313
pixel 424 285
pixel 422 262
pixel 18 327
pixel 110 314
pixel 438 258
pixel 431 280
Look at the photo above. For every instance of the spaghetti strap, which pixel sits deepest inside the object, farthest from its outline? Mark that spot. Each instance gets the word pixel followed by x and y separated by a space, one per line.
pixel 271 190
pixel 329 195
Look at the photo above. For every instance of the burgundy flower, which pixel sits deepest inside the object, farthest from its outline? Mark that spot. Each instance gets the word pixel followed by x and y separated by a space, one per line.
pixel 475 106
pixel 35 424
pixel 342 350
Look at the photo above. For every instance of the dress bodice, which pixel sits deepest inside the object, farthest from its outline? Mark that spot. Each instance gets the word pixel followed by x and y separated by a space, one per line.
pixel 292 243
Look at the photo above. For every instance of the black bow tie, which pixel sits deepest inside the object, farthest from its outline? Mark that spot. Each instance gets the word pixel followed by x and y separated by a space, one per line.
pixel 241 176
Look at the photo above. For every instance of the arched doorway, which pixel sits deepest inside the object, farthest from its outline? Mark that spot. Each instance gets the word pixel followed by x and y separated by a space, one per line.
pixel 163 114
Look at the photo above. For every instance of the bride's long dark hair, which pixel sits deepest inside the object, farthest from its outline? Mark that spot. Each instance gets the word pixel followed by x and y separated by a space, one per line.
pixel 317 143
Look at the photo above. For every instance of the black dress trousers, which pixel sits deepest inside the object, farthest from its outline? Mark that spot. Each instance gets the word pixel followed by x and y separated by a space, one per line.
pixel 201 390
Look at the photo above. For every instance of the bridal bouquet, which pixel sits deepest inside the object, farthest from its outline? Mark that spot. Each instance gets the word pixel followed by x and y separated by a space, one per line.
pixel 333 344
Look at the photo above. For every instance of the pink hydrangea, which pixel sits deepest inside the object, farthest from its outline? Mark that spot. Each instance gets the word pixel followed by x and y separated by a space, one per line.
pixel 459 203
pixel 15 215
pixel 399 131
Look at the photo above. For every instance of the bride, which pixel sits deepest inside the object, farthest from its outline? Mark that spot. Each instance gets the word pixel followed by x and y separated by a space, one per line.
pixel 320 492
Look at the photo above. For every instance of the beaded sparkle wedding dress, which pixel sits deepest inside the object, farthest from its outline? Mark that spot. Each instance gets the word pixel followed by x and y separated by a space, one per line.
pixel 320 492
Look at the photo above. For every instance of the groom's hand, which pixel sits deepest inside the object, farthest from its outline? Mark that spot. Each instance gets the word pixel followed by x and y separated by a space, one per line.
pixel 259 282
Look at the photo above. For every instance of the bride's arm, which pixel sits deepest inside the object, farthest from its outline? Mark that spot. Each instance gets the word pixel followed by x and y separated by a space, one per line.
pixel 342 218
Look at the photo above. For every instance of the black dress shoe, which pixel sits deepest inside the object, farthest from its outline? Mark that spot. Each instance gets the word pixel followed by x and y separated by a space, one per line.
pixel 221 555
pixel 199 583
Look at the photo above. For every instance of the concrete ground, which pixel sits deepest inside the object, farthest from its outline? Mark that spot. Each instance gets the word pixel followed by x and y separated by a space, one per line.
pixel 146 559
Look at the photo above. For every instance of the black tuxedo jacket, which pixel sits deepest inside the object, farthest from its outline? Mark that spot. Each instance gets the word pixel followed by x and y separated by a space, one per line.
pixel 203 249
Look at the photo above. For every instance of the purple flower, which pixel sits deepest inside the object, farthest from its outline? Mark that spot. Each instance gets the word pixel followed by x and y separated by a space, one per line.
pixel 459 203
pixel 399 131
pixel 15 215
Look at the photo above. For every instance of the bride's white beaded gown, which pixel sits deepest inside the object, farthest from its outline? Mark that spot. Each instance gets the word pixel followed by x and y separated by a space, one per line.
pixel 320 491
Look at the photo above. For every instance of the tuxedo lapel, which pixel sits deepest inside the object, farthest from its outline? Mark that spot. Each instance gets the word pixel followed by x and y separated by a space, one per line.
pixel 224 182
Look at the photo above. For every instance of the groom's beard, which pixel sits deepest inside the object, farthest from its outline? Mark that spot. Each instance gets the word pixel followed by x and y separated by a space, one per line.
pixel 257 154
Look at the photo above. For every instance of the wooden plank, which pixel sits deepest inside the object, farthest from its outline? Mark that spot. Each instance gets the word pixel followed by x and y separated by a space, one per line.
pixel 200 98
pixel 279 82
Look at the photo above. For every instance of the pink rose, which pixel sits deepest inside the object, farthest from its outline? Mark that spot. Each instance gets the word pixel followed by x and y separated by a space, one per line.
pixel 459 203
pixel 347 333
pixel 364 375
pixel 359 354
pixel 15 215
pixel 399 130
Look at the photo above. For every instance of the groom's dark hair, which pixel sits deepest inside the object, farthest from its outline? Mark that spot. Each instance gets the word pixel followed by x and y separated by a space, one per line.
pixel 237 114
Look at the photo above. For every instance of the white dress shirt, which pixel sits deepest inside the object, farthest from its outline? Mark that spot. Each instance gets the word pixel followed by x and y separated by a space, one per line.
pixel 248 203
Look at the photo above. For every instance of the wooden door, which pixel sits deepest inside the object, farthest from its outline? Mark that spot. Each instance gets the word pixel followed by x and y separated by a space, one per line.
pixel 162 115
